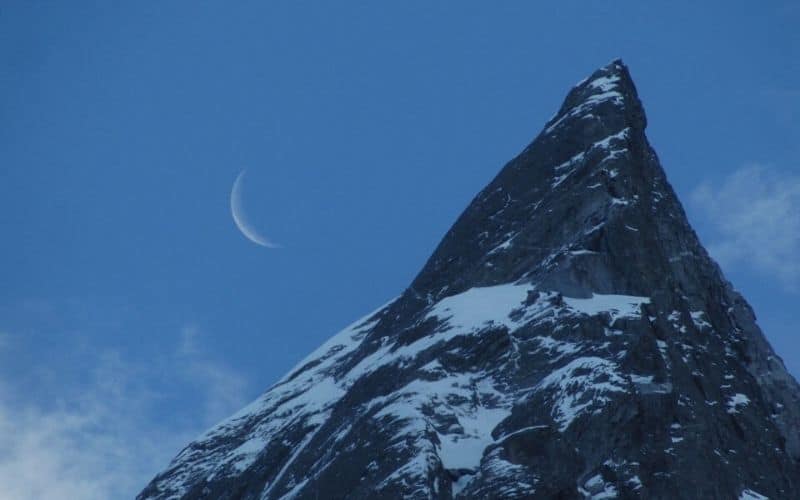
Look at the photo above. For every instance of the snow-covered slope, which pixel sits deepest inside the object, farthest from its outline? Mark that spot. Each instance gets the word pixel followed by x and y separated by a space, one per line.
pixel 569 338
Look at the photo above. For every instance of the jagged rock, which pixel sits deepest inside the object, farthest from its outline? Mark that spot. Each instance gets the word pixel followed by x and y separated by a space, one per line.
pixel 569 338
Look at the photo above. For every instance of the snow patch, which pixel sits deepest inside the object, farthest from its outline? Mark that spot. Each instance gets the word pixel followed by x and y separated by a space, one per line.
pixel 617 306
pixel 583 251
pixel 737 401
pixel 699 322
pixel 752 495
pixel 579 386
pixel 477 307
pixel 595 488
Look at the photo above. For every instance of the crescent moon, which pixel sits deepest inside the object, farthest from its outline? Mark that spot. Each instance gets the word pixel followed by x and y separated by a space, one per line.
pixel 240 219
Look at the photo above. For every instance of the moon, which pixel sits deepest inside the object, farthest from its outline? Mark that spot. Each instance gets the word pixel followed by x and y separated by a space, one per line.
pixel 240 219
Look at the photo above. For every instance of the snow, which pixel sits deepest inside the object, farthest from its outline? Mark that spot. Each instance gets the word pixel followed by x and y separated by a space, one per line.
pixel 295 490
pixel 476 307
pixel 422 403
pixel 594 228
pixel 619 201
pixel 578 157
pixel 465 452
pixel 297 450
pixel 582 252
pixel 606 142
pixel 595 488
pixel 518 481
pixel 580 385
pixel 561 178
pixel 305 396
pixel 617 306
pixel 340 344
pixel 505 245
pixel 521 431
pixel 605 83
pixel 243 457
pixel 736 401
pixel 641 379
pixel 480 307
pixel 606 94
pixel 752 495
pixel 461 483
pixel 645 385
pixel 558 347
pixel 461 409
pixel 699 322
pixel 575 161
pixel 417 467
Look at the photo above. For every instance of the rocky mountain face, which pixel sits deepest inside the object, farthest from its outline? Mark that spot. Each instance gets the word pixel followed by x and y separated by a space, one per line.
pixel 569 338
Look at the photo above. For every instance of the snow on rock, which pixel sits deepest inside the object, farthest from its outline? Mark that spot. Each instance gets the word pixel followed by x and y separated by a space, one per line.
pixel 605 83
pixel 635 483
pixel 580 386
pixel 477 307
pixel 737 401
pixel 469 402
pixel 606 90
pixel 573 164
pixel 617 306
pixel 556 348
pixel 470 407
pixel 467 313
pixel 517 481
pixel 304 396
pixel 477 383
pixel 583 251
pixel 699 322
pixel 505 245
pixel 645 385
pixel 595 488
pixel 752 495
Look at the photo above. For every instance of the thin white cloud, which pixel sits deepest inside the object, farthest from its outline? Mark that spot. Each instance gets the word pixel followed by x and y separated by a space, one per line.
pixel 754 215
pixel 224 388
pixel 106 438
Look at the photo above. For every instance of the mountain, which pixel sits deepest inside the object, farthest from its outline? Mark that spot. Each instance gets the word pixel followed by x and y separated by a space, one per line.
pixel 568 338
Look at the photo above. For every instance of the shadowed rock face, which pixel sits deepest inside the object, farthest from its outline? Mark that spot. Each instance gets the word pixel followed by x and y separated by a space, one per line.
pixel 569 338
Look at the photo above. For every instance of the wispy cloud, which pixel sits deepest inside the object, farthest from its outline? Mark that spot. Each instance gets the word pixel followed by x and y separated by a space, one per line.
pixel 92 443
pixel 105 438
pixel 224 389
pixel 754 215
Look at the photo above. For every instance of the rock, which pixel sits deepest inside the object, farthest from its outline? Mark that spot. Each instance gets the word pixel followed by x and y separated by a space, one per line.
pixel 568 338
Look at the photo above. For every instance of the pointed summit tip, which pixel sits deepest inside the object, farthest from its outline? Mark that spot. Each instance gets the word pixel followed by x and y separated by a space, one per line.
pixel 592 153
pixel 617 70
pixel 609 92
pixel 616 64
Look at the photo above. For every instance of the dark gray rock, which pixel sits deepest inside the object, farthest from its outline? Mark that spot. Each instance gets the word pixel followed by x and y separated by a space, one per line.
pixel 569 338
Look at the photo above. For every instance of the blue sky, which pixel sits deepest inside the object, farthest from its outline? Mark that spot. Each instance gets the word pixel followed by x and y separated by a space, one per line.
pixel 133 313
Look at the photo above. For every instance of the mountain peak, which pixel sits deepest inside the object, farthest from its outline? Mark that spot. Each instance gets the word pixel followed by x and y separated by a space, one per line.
pixel 608 92
pixel 590 168
pixel 568 338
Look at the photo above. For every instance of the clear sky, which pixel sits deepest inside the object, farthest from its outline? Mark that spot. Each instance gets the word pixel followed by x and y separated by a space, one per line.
pixel 133 314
